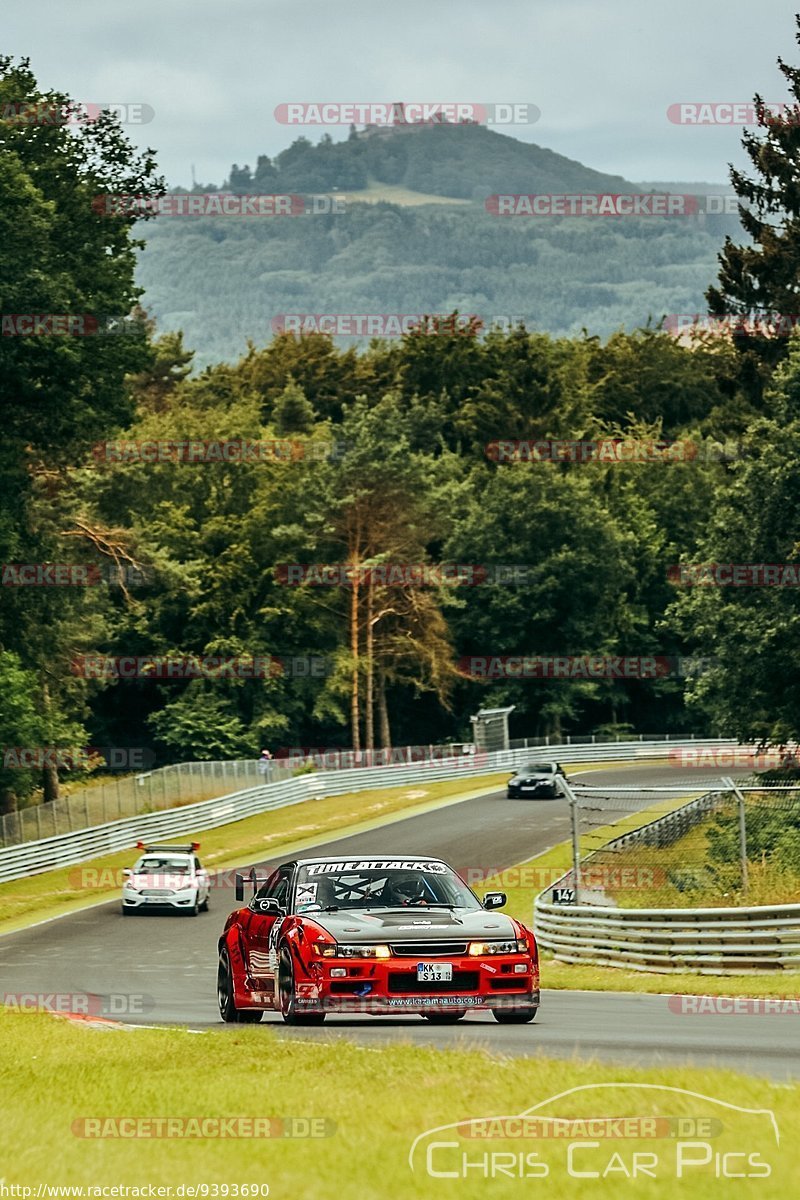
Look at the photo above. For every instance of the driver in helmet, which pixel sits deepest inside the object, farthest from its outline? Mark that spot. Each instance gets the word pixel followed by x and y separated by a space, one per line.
pixel 406 889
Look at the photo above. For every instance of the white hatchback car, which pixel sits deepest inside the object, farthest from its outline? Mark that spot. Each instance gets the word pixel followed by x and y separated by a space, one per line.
pixel 166 877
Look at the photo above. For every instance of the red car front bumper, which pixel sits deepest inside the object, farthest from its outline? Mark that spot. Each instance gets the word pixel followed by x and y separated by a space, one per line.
pixel 386 986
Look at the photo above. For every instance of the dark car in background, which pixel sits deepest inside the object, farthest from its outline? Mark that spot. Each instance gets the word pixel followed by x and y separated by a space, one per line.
pixel 537 780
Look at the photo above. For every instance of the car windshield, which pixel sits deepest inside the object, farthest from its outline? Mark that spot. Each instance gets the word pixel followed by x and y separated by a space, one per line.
pixel 380 883
pixel 151 863
pixel 540 768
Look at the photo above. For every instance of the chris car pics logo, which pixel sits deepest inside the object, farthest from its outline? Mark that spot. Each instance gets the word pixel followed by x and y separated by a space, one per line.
pixel 607 1131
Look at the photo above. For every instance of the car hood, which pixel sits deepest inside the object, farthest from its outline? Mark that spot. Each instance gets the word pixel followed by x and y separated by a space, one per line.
pixel 544 777
pixel 161 878
pixel 414 925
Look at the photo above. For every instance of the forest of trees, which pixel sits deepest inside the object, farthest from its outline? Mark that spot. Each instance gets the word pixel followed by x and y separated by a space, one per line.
pixel 374 456
pixel 224 281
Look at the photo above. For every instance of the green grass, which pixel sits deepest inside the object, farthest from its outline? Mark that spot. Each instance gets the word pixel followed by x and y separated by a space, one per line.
pixel 67 889
pixel 394 193
pixel 54 1073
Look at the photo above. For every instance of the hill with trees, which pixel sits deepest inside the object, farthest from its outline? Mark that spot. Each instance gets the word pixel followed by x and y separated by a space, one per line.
pixel 224 281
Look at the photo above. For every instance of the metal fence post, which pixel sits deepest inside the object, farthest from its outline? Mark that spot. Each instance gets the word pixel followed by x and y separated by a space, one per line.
pixel 576 844
pixel 742 832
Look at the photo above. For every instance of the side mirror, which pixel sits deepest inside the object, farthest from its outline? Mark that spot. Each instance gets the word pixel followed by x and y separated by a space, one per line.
pixel 268 905
pixel 494 900
pixel 126 874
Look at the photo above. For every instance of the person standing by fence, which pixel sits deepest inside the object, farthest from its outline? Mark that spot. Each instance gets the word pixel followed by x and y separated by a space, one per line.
pixel 265 765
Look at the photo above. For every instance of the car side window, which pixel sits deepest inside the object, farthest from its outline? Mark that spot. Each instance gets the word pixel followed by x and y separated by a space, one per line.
pixel 268 888
pixel 282 887
pixel 277 886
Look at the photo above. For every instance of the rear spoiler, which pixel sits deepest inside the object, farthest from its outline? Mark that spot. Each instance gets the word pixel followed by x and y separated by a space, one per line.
pixel 252 879
pixel 149 849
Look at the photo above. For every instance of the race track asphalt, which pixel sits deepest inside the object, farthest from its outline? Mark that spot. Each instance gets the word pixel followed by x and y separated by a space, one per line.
pixel 161 969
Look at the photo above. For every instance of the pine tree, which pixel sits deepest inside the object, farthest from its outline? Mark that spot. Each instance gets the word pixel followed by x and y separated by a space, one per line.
pixel 293 412
pixel 764 277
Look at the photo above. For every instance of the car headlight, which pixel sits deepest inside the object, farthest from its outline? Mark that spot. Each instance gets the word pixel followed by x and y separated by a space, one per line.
pixel 324 949
pixel 517 946
pixel 372 951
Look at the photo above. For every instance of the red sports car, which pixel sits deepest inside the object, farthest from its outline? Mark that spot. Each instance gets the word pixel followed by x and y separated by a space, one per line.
pixel 373 935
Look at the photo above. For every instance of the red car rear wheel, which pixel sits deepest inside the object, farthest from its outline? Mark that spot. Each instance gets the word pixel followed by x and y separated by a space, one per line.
pixel 225 997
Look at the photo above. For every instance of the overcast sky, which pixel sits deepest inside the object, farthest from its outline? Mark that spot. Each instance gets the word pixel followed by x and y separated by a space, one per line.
pixel 602 73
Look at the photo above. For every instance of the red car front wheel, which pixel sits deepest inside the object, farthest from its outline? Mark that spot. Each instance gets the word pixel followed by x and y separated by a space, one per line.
pixel 288 995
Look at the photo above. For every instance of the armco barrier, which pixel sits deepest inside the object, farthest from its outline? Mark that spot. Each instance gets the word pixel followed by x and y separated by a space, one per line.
pixel 118 795
pixel 31 858
pixel 708 941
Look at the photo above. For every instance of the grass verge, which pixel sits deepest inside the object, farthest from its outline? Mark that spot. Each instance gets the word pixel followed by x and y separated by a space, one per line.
pixel 54 1074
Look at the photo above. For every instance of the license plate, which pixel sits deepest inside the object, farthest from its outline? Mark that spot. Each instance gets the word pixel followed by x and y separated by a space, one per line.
pixel 434 972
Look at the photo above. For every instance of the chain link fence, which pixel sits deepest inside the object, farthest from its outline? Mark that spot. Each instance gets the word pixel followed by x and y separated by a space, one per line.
pixel 188 783
pixel 737 844
pixel 130 796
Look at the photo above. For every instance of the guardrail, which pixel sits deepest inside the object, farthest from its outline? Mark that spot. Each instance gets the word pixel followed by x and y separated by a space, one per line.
pixel 178 784
pixel 709 941
pixel 34 857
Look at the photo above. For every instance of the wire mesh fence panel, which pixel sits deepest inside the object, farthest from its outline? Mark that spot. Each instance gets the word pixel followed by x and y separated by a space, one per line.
pixel 652 849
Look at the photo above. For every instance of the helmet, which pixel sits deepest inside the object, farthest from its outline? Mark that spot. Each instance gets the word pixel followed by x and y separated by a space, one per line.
pixel 407 889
